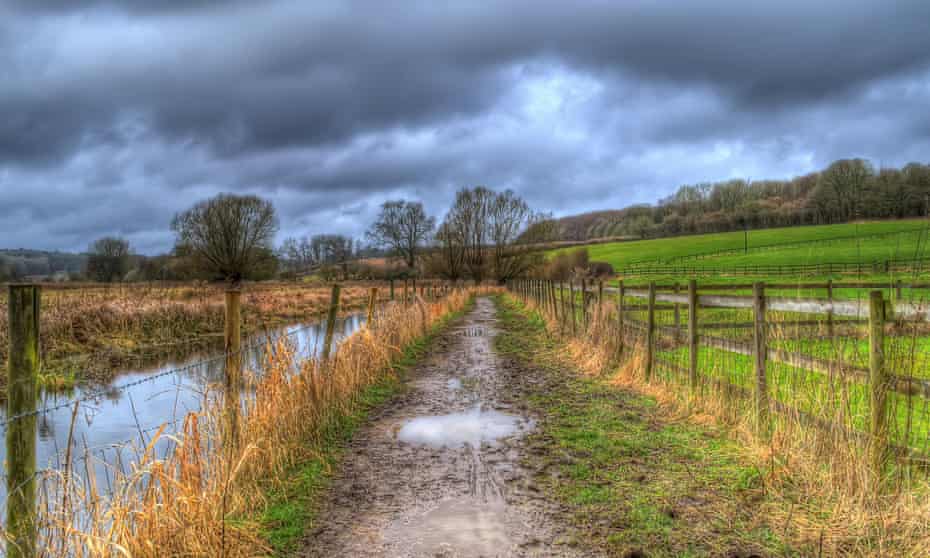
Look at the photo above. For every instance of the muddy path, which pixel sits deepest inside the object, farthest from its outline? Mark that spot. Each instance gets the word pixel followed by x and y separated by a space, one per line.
pixel 438 472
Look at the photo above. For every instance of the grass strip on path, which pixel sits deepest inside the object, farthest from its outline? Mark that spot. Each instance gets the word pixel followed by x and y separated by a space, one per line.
pixel 293 502
pixel 634 481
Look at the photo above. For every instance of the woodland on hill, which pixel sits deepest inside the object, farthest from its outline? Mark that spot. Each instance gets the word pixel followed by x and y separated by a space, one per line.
pixel 847 190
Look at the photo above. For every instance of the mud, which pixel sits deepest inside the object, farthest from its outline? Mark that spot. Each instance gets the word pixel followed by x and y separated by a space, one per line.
pixel 437 473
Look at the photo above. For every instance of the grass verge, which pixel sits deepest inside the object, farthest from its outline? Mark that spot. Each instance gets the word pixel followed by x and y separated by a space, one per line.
pixel 293 502
pixel 635 481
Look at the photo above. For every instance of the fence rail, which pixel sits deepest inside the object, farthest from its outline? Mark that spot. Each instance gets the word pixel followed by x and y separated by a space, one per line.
pixel 793 244
pixel 823 268
pixel 880 386
pixel 20 425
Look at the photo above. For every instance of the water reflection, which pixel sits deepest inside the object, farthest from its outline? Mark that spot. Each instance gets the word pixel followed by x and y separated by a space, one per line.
pixel 114 416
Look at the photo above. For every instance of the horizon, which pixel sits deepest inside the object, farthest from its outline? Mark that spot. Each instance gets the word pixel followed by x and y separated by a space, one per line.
pixel 125 114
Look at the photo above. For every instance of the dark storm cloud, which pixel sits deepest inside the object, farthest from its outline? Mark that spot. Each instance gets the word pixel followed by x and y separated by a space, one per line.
pixel 331 107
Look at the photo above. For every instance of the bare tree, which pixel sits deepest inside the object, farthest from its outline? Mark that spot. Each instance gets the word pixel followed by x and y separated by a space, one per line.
pixel 847 180
pixel 230 236
pixel 489 233
pixel 402 227
pixel 448 260
pixel 108 260
pixel 510 221
pixel 298 254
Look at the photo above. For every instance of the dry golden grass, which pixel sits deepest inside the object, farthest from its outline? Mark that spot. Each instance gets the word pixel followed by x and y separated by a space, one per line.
pixel 817 484
pixel 100 327
pixel 181 504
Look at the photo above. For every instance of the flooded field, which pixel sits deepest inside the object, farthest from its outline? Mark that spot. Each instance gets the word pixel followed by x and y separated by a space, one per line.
pixel 114 420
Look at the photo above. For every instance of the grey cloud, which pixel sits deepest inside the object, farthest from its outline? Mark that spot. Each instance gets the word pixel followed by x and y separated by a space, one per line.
pixel 331 107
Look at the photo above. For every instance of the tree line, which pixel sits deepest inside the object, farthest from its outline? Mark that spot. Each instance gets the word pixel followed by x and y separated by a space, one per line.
pixel 847 190
pixel 485 235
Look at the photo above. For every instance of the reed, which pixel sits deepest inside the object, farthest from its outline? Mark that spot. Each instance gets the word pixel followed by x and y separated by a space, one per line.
pixel 200 497
pixel 89 330
pixel 818 479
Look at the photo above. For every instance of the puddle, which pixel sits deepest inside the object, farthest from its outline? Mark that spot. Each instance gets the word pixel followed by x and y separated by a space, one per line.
pixel 472 427
pixel 454 384
pixel 459 527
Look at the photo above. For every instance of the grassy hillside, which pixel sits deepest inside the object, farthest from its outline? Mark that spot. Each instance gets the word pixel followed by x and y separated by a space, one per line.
pixel 803 245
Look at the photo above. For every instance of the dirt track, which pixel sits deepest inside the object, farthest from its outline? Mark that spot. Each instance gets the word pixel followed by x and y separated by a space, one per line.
pixel 437 472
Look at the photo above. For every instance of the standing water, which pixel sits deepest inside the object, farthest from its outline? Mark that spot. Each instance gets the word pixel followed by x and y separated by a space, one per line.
pixel 123 412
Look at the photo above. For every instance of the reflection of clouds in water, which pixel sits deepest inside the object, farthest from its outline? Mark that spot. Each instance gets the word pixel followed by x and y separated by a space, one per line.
pixel 113 415
pixel 470 427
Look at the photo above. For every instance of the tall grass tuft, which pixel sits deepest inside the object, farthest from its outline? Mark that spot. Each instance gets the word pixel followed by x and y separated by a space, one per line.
pixel 816 479
pixel 201 497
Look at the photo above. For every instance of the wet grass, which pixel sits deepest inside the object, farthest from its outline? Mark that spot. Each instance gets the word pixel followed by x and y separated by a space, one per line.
pixel 621 254
pixel 636 482
pixel 294 501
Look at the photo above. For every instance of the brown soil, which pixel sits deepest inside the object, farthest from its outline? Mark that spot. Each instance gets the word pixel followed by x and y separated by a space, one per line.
pixel 414 489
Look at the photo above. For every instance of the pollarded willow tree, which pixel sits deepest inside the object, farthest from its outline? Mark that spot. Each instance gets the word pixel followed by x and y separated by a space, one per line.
pixel 228 236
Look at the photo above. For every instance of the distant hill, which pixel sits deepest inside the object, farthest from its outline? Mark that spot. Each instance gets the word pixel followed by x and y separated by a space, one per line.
pixel 847 190
pixel 20 263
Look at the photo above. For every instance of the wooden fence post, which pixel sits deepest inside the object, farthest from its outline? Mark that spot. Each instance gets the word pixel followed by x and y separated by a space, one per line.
pixel 830 312
pixel 584 305
pixel 878 388
pixel 232 339
pixel 759 351
pixel 550 287
pixel 372 300
pixel 620 332
pixel 331 321
pixel 677 316
pixel 693 336
pixel 23 368
pixel 650 331
pixel 571 296
pixel 600 299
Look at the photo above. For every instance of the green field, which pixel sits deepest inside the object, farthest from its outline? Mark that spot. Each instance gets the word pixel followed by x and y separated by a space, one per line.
pixel 670 250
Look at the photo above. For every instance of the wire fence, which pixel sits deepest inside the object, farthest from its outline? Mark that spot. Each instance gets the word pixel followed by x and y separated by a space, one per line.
pixel 850 373
pixel 747 248
pixel 823 268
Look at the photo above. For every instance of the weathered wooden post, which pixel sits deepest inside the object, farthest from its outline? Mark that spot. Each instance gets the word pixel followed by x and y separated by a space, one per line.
pixel 620 332
pixel 23 372
pixel 897 290
pixel 759 352
pixel 650 331
pixel 331 321
pixel 878 389
pixel 232 339
pixel 584 305
pixel 600 299
pixel 554 302
pixel 693 336
pixel 571 298
pixel 830 311
pixel 372 301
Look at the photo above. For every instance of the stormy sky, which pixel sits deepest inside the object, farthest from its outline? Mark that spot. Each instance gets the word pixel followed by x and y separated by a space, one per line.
pixel 115 115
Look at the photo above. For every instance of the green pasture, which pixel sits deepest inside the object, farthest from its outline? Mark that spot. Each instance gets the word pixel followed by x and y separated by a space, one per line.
pixel 834 399
pixel 623 254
